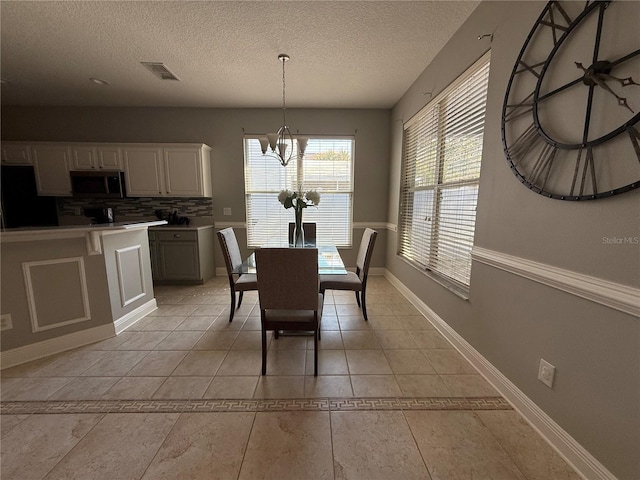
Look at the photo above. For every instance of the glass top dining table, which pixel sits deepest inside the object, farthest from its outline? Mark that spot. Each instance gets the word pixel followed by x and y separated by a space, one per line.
pixel 329 260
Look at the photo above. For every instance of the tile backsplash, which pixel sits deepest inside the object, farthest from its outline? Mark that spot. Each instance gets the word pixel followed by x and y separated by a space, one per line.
pixel 140 207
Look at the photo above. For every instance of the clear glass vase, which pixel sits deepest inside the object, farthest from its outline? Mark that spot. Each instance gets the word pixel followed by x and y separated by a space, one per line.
pixel 298 231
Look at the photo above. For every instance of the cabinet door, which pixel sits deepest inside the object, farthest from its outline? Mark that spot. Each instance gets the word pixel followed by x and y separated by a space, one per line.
pixel 179 260
pixel 16 155
pixel 183 172
pixel 52 170
pixel 143 172
pixel 84 158
pixel 109 158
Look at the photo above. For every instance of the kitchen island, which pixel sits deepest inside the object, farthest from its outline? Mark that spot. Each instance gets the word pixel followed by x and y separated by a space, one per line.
pixel 64 287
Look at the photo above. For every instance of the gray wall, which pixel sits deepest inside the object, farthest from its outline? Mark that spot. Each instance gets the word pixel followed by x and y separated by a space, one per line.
pixel 512 321
pixel 222 129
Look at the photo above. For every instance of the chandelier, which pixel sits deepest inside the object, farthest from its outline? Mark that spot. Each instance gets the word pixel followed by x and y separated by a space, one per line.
pixel 282 142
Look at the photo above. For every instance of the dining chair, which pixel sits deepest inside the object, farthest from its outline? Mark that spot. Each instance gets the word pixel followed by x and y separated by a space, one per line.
pixel 238 282
pixel 357 281
pixel 309 232
pixel 288 294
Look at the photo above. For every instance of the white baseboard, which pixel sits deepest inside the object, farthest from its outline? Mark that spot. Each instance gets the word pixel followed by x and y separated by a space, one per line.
pixel 132 317
pixel 34 351
pixel 567 447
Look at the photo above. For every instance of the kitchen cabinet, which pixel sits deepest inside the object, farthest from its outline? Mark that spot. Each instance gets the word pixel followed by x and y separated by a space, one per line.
pixel 177 170
pixel 16 154
pixel 100 157
pixel 182 255
pixel 51 164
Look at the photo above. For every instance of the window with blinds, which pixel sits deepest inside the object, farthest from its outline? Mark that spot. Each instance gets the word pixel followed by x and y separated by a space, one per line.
pixel 442 151
pixel 327 166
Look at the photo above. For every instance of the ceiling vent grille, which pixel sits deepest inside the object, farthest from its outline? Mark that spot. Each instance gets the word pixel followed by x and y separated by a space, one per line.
pixel 160 70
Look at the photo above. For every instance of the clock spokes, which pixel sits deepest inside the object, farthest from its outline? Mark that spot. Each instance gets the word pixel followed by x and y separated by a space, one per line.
pixel 598 73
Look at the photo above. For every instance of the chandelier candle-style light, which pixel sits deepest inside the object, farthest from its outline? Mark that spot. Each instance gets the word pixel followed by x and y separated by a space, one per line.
pixel 281 143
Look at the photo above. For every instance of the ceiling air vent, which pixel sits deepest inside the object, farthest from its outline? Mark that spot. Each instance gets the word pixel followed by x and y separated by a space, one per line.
pixel 160 70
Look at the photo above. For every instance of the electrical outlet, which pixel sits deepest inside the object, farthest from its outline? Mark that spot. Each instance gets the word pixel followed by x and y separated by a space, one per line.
pixel 546 373
pixel 6 323
pixel 226 211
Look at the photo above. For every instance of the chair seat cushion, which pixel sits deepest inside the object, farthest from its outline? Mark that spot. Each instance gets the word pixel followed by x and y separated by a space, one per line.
pixel 246 281
pixel 350 281
pixel 295 315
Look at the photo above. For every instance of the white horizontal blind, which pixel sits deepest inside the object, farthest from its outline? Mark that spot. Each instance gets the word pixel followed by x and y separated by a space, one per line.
pixel 327 166
pixel 442 151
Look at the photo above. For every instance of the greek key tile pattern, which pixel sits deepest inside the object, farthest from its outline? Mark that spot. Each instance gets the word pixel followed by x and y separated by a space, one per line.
pixel 271 405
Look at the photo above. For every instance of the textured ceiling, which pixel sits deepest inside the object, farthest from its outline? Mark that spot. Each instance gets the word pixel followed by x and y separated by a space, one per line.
pixel 343 54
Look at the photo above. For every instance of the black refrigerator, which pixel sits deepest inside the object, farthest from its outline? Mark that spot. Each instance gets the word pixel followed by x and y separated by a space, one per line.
pixel 21 205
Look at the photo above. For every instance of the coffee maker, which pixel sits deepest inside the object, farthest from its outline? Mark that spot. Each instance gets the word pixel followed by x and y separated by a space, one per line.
pixel 99 215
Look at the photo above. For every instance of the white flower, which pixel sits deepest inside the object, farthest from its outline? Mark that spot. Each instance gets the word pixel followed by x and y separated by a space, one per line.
pixel 284 194
pixel 298 200
pixel 313 197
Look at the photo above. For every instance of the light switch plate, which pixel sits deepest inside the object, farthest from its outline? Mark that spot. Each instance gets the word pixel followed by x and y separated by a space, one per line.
pixel 226 211
pixel 546 373
pixel 6 322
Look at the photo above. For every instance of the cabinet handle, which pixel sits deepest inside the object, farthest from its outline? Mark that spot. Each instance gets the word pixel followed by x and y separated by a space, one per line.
pixel 176 235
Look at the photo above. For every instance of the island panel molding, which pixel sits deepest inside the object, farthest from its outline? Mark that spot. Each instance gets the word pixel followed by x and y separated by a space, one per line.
pixel 49 281
pixel 130 267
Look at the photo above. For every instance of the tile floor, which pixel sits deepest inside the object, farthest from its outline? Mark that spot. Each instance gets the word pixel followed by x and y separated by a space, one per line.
pixel 180 396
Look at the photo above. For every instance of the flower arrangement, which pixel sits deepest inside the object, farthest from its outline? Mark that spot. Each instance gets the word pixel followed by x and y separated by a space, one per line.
pixel 299 201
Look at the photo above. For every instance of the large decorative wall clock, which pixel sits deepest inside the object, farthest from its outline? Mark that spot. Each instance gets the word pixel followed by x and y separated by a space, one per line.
pixel 570 114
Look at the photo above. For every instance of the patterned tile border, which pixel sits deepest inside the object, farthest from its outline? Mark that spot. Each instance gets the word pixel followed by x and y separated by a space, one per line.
pixel 258 405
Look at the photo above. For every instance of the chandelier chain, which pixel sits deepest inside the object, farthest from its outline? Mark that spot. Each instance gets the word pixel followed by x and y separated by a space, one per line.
pixel 283 90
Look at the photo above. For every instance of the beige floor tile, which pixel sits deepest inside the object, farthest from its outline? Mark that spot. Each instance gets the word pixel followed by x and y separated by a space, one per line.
pixel 157 364
pixel 379 309
pixel 143 341
pixel 158 323
pixel 203 446
pixel 405 309
pixel 134 388
pixel 241 362
pixel 222 323
pixel 183 387
pixel 457 446
pixel 367 362
pixel 251 323
pixel 120 446
pixel 115 364
pixel 535 458
pixel 448 361
pixel 360 340
pixel 384 322
pixel 348 309
pixel 422 386
pixel 280 386
pixel 200 363
pixel 353 322
pixel 329 340
pixel 196 323
pixel 327 386
pixel 183 340
pixel 231 387
pixel 362 447
pixel 208 310
pixel 289 445
pixel 198 299
pixel 290 342
pixel 71 364
pixel 174 310
pixel 249 340
pixel 286 362
pixel 8 423
pixel 329 322
pixel 35 446
pixel 429 339
pixel 32 388
pixel 216 340
pixel 375 386
pixel 395 339
pixel 469 386
pixel 409 362
pixel 29 369
pixel 329 310
pixel 417 322
pixel 330 362
pixel 111 343
pixel 167 299
pixel 85 388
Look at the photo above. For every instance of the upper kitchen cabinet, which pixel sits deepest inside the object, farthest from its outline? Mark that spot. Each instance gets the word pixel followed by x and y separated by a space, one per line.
pixel 16 154
pixel 100 157
pixel 169 170
pixel 52 164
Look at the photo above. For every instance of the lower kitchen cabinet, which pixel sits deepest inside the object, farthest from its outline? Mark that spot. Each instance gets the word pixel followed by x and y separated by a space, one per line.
pixel 181 255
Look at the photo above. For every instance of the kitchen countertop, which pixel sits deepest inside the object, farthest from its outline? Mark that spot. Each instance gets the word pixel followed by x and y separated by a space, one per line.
pixel 180 227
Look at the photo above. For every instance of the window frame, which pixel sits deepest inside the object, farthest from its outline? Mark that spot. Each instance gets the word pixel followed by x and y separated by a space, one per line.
pixel 424 256
pixel 300 169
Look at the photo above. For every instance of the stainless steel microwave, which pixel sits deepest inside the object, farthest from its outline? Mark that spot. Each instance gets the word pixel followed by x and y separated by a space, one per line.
pixel 97 184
